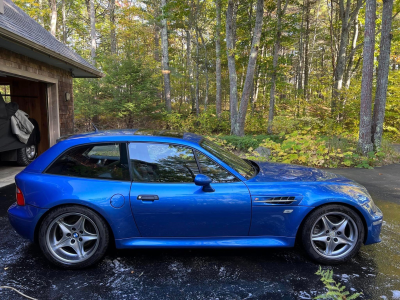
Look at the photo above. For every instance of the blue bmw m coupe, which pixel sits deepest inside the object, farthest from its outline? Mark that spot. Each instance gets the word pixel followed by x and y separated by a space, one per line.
pixel 141 188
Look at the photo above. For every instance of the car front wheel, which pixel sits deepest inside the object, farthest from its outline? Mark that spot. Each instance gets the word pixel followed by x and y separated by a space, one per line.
pixel 73 237
pixel 333 234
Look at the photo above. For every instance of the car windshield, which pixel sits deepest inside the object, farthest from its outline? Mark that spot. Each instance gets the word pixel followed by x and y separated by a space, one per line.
pixel 243 167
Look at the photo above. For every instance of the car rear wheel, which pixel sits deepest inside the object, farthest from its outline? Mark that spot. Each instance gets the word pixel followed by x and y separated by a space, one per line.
pixel 73 237
pixel 333 234
pixel 26 155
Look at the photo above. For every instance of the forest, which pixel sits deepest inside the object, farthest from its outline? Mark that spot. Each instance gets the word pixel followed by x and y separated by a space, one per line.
pixel 311 82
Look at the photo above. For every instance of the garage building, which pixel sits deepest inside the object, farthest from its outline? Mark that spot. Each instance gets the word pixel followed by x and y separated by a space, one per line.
pixel 37 71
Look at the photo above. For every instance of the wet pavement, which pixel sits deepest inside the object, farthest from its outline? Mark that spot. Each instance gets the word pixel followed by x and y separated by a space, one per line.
pixel 210 274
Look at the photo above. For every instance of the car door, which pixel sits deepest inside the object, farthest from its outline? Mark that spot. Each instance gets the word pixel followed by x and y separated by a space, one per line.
pixel 165 201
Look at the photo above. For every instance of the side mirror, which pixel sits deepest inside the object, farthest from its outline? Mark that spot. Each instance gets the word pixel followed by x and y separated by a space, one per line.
pixel 205 182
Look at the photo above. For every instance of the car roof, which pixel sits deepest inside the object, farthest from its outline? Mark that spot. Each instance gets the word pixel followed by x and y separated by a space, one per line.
pixel 104 134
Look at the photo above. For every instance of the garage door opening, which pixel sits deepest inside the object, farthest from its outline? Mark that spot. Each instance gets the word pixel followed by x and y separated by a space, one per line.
pixel 31 97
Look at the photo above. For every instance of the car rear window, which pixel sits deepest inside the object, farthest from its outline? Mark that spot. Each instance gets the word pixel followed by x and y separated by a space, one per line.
pixel 98 161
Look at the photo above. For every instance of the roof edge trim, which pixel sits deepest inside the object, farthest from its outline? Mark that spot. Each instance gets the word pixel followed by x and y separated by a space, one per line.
pixel 25 42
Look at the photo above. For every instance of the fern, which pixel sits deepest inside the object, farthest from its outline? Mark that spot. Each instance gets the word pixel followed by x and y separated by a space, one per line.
pixel 336 291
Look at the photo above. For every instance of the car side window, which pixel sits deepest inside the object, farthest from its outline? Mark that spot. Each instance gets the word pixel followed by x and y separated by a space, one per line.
pixel 214 170
pixel 158 162
pixel 98 161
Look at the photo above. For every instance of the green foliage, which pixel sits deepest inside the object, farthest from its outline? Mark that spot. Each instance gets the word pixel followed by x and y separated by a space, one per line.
pixel 311 149
pixel 121 98
pixel 335 290
pixel 206 123
pixel 248 141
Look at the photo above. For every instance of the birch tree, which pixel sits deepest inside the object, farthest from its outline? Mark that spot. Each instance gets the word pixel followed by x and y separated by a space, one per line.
pixel 279 13
pixel 364 140
pixel 230 51
pixel 165 57
pixel 92 21
pixel 64 22
pixel 382 75
pixel 347 19
pixel 237 127
pixel 53 17
pixel 113 36
pixel 218 100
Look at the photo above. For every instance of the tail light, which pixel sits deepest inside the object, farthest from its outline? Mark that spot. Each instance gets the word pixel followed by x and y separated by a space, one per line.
pixel 20 197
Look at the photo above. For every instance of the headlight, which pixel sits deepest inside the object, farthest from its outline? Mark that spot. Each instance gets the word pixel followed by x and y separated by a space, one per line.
pixel 367 202
pixel 363 199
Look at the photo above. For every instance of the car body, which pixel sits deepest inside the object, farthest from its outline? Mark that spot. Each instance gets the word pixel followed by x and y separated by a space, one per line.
pixel 156 194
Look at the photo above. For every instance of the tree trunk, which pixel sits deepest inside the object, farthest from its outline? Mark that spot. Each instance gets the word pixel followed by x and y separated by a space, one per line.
pixel 349 70
pixel 92 15
pixel 165 58
pixel 40 17
pixel 238 129
pixel 347 18
pixel 218 101
pixel 364 141
pixel 113 37
pixel 190 69
pixel 306 52
pixel 383 73
pixel 197 70
pixel 64 22
pixel 230 50
pixel 205 70
pixel 53 17
pixel 279 14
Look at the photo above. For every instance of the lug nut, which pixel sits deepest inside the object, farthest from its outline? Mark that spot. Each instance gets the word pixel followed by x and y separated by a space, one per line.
pixel 68 234
pixel 80 239
pixel 334 228
pixel 72 241
pixel 81 232
pixel 328 239
pixel 327 231
pixel 73 228
pixel 338 233
pixel 335 239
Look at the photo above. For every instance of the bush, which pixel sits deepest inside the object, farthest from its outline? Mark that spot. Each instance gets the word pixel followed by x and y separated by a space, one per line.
pixel 206 123
pixel 248 141
pixel 322 151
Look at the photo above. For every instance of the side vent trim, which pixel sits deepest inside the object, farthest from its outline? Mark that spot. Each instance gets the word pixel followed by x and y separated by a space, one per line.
pixel 275 200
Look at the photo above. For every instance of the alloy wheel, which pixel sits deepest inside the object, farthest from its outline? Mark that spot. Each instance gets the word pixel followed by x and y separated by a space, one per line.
pixel 72 238
pixel 334 235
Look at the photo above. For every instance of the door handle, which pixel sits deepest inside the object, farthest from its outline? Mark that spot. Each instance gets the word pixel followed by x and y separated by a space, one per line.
pixel 147 197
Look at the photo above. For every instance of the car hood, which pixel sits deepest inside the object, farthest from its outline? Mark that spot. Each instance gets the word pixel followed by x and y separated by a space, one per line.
pixel 278 172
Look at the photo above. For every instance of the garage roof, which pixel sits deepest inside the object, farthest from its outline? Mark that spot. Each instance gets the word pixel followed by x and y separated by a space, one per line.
pixel 22 34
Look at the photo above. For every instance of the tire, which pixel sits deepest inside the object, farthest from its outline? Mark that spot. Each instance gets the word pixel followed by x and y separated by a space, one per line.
pixel 73 237
pixel 26 155
pixel 328 238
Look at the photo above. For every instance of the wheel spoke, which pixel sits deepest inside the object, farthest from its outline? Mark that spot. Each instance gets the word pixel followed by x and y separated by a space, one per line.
pixel 65 228
pixel 341 226
pixel 78 248
pixel 88 237
pixel 319 237
pixel 328 225
pixel 330 247
pixel 62 243
pixel 80 224
pixel 344 240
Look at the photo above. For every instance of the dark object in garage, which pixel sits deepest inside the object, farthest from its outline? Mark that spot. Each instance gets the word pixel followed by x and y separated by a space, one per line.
pixel 11 149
